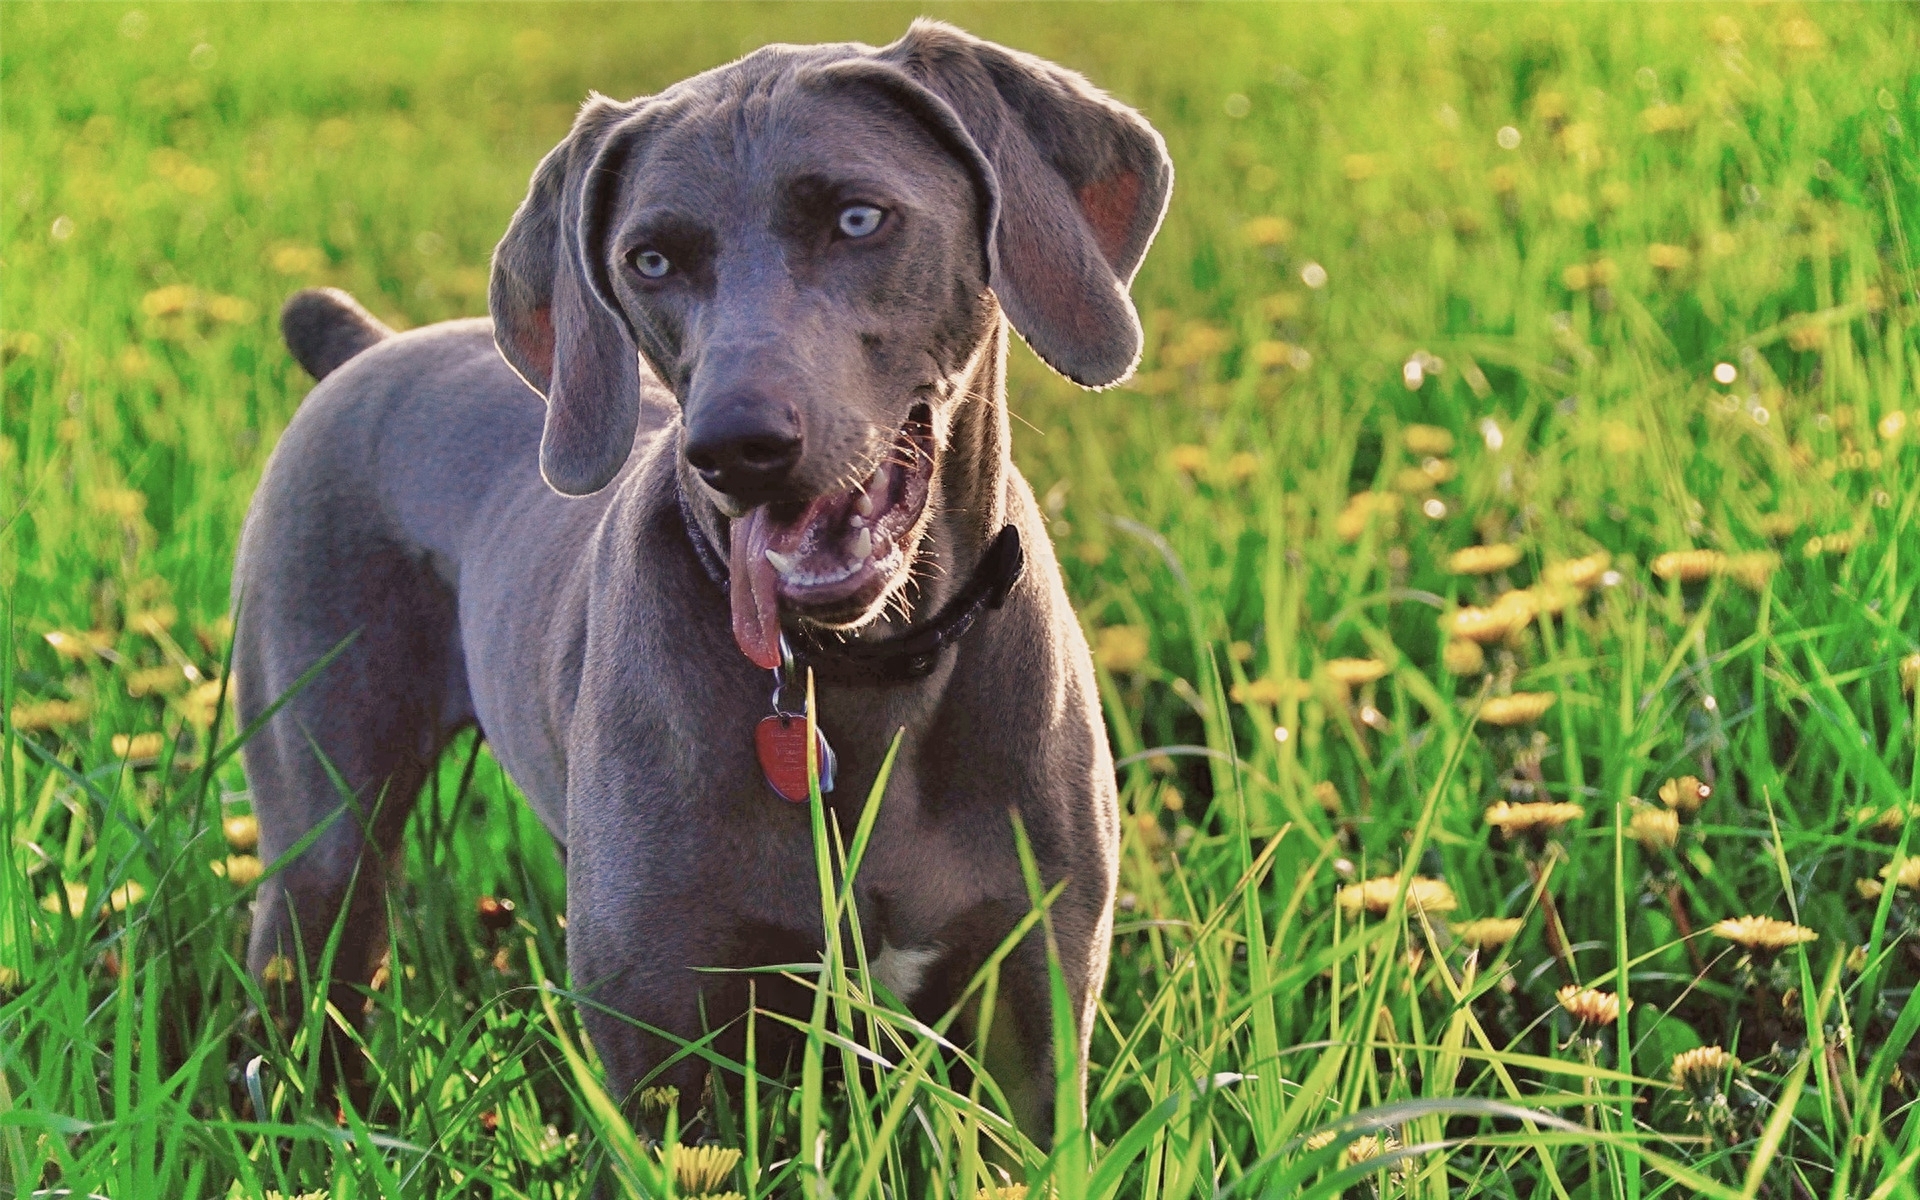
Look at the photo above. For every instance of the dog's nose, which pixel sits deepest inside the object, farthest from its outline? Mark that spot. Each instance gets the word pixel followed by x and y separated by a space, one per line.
pixel 745 449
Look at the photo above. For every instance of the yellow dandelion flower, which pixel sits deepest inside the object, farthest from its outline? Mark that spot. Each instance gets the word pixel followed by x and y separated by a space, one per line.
pixel 1327 796
pixel 1685 794
pixel 202 702
pixel 242 832
pixel 1517 709
pixel 1655 828
pixel 170 301
pixel 1576 278
pixel 1688 566
pixel 69 897
pixel 1424 894
pixel 138 745
pixel 702 1168
pixel 1121 648
pixel 1910 673
pixel 153 622
pixel 1269 691
pixel 1413 481
pixel 1665 118
pixel 1869 889
pixel 1753 570
pixel 1272 353
pixel 1487 933
pixel 1839 542
pixel 1554 598
pixel 1462 657
pixel 1589 1006
pixel 1268 231
pixel 1189 460
pixel 48 714
pixel 155 681
pixel 1427 441
pixel 1320 1141
pixel 241 870
pixel 1778 525
pixel 1893 424
pixel 279 969
pixel 1763 933
pixel 1906 875
pixel 1240 467
pixel 1583 572
pixel 1483 560
pixel 1004 1191
pixel 1480 625
pixel 1355 671
pixel 289 258
pixel 1520 604
pixel 81 644
pixel 1662 257
pixel 1513 820
pixel 1369 1147
pixel 1361 508
pixel 1701 1067
pixel 1890 818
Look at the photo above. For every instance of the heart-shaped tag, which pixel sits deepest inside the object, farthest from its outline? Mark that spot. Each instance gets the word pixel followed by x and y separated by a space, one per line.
pixel 782 744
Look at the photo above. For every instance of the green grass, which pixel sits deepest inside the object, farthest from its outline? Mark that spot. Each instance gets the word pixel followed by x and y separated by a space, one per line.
pixel 1690 187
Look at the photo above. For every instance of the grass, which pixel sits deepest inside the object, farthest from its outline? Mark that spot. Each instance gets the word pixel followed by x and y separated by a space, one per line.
pixel 1579 281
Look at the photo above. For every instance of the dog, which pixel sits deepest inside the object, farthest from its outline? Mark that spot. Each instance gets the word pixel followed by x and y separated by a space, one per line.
pixel 766 311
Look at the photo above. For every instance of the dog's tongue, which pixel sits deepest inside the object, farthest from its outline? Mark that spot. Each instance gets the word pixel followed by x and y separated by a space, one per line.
pixel 756 606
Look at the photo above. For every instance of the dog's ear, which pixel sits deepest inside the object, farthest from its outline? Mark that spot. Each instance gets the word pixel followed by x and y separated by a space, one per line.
pixel 1082 182
pixel 554 319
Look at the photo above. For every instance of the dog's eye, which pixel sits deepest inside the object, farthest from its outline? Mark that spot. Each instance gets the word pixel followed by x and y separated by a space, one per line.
pixel 859 220
pixel 651 263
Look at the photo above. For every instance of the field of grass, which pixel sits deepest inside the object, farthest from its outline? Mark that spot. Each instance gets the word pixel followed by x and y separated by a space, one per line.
pixel 1625 298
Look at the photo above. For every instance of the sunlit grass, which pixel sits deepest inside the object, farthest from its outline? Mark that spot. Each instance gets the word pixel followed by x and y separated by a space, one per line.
pixel 1502 578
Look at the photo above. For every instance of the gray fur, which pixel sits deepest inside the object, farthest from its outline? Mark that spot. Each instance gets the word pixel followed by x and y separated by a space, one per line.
pixel 325 327
pixel 405 507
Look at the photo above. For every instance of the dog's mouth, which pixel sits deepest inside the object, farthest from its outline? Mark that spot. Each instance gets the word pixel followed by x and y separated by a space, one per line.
pixel 831 558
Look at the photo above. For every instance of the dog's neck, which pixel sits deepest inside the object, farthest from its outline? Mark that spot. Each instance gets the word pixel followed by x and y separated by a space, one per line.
pixel 967 505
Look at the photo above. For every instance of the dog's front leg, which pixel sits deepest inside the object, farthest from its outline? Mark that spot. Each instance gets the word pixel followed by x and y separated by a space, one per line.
pixel 635 953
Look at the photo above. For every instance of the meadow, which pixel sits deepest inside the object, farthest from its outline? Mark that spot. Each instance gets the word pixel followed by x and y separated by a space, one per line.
pixel 1502 575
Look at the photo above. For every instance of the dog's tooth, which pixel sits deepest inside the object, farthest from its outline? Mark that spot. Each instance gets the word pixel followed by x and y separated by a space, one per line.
pixel 863 545
pixel 856 523
pixel 783 563
pixel 863 504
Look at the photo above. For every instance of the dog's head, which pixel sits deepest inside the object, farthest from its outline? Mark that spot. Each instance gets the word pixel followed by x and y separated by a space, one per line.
pixel 811 247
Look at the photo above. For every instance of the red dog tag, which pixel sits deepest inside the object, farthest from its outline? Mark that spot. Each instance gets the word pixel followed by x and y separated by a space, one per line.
pixel 782 743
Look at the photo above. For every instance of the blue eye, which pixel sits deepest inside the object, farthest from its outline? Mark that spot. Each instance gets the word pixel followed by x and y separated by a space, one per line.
pixel 651 263
pixel 860 220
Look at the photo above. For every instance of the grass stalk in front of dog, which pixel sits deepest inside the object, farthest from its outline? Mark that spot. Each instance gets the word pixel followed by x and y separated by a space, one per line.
pixel 1501 576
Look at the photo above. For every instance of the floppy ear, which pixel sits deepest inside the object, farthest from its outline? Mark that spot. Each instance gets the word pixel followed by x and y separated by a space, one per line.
pixel 553 318
pixel 1082 184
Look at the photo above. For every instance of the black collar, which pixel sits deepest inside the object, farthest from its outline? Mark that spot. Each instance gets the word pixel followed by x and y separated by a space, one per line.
pixel 903 659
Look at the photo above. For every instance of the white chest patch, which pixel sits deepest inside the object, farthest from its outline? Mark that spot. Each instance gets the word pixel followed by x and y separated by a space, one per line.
pixel 903 970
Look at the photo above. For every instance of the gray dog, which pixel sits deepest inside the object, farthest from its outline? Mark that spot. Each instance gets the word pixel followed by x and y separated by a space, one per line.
pixel 765 310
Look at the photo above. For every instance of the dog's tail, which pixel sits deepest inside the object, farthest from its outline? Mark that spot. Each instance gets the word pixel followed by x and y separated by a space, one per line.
pixel 325 327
